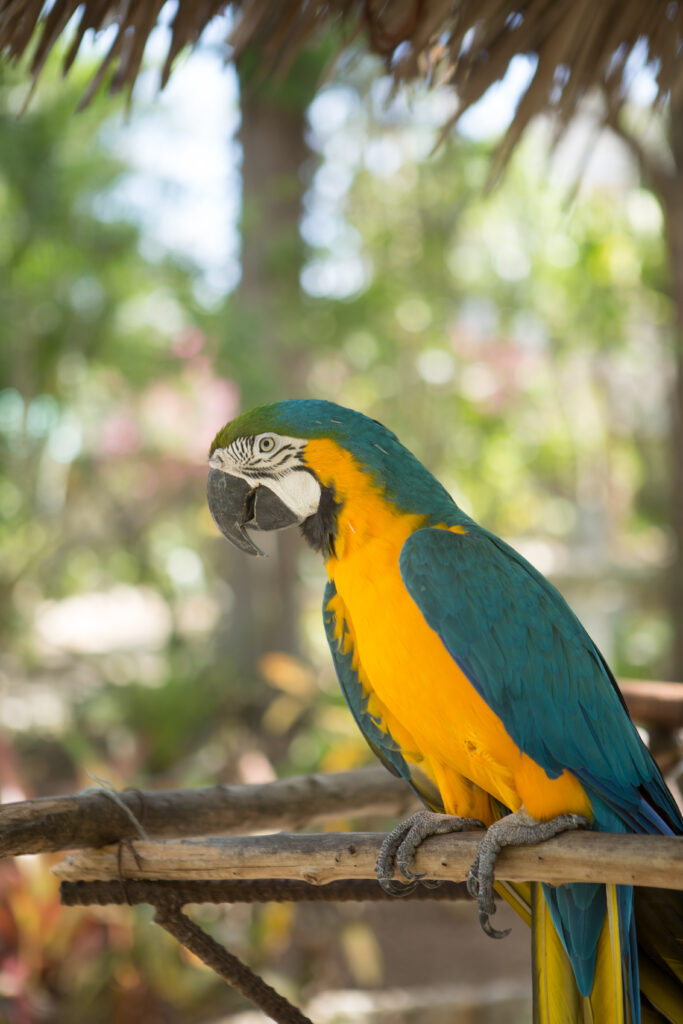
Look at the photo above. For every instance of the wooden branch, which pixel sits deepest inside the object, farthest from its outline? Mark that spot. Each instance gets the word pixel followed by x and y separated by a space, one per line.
pixel 653 703
pixel 573 857
pixel 91 818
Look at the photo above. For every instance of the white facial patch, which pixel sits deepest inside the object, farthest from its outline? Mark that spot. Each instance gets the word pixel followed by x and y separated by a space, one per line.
pixel 299 490
pixel 273 461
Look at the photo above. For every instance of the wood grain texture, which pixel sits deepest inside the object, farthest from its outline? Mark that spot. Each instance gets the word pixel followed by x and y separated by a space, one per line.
pixel 318 859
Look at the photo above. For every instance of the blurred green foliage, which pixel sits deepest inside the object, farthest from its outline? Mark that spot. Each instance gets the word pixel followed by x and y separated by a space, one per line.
pixel 517 342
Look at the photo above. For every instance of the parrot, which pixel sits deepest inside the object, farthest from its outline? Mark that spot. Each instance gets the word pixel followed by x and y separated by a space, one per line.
pixel 472 679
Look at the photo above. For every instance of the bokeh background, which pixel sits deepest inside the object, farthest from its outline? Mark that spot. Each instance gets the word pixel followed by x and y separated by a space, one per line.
pixel 232 241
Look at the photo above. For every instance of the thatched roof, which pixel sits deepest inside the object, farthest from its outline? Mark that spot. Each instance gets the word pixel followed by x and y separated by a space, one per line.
pixel 580 44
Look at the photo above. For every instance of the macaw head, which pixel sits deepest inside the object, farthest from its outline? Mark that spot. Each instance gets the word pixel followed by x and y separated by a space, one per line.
pixel 300 461
pixel 261 477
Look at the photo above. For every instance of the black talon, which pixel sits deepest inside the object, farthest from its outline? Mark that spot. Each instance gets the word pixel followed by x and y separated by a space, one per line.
pixel 412 876
pixel 392 888
pixel 492 932
pixel 400 846
pixel 403 865
pixel 516 829
pixel 472 882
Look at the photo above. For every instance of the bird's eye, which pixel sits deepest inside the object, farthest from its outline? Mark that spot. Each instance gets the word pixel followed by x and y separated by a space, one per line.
pixel 266 444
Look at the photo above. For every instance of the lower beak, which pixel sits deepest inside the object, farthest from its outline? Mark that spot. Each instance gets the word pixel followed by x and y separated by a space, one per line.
pixel 235 506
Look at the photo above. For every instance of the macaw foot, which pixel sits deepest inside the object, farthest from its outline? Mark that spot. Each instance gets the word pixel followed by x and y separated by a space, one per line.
pixel 401 845
pixel 518 829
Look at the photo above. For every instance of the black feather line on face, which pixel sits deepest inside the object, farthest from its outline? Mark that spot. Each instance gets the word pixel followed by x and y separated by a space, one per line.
pixel 320 529
pixel 268 465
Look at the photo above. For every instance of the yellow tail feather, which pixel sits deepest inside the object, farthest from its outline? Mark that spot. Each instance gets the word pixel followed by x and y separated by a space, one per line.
pixel 609 999
pixel 557 999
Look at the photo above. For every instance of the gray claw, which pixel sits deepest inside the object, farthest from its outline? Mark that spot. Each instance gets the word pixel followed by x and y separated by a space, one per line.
pixel 404 859
pixel 516 829
pixel 401 845
pixel 393 888
pixel 472 881
pixel 481 889
pixel 384 868
pixel 492 932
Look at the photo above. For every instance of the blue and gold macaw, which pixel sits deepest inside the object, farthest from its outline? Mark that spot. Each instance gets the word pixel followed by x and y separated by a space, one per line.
pixel 471 678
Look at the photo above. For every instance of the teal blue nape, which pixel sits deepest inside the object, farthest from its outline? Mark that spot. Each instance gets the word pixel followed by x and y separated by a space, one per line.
pixel 512 638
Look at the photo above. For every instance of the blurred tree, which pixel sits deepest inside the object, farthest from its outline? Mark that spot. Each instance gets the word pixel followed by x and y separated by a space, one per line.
pixel 659 153
pixel 108 401
pixel 518 347
pixel 275 359
pixel 453 327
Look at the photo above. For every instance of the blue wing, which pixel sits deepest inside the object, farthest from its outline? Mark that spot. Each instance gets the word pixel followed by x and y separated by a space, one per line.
pixel 529 657
pixel 531 660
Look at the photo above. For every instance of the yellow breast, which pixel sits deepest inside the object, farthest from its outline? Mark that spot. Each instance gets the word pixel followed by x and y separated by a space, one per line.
pixel 412 682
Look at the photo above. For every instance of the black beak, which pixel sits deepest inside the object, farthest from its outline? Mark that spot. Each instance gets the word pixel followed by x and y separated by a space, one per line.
pixel 236 505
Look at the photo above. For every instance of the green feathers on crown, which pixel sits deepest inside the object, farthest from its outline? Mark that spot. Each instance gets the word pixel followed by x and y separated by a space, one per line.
pixel 305 418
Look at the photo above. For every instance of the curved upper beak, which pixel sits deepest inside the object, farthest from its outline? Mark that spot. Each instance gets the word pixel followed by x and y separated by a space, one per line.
pixel 236 505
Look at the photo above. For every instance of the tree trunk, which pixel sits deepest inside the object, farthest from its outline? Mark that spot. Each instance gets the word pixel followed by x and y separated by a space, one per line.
pixel 265 612
pixel 671 194
pixel 666 181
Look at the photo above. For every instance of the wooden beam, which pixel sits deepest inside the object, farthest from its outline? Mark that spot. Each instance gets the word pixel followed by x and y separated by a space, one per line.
pixel 318 859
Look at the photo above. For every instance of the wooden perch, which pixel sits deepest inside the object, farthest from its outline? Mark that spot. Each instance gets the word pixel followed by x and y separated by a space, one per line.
pixel 317 859
pixel 651 703
pixel 92 818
